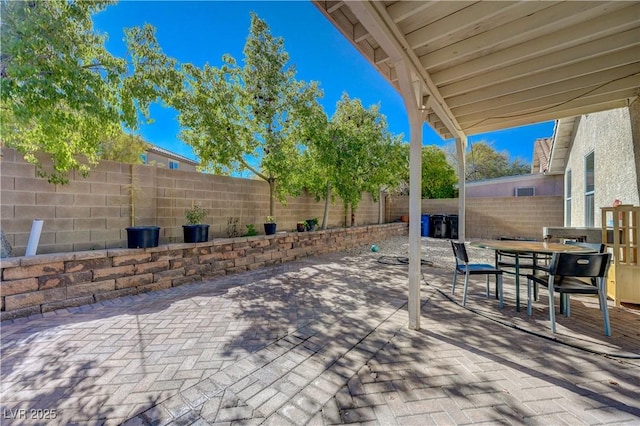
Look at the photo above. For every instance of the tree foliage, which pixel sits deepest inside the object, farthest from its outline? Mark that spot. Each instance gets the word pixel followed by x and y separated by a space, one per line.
pixel 125 148
pixel 484 162
pixel 438 177
pixel 62 91
pixel 366 156
pixel 247 118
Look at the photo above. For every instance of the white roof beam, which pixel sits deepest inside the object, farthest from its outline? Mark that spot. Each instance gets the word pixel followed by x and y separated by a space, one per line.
pixel 401 10
pixel 621 77
pixel 359 33
pixel 594 65
pixel 468 17
pixel 603 26
pixel 381 27
pixel 567 110
pixel 519 31
pixel 334 6
pixel 630 83
pixel 591 53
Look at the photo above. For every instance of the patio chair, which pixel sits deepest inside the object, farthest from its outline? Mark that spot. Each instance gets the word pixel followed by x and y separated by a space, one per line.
pixel 464 267
pixel 571 273
pixel 596 247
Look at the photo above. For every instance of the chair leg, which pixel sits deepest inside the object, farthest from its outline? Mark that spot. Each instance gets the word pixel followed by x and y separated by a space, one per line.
pixel 602 296
pixel 464 292
pixel 488 292
pixel 529 297
pixel 499 283
pixel 567 304
pixel 552 312
pixel 455 277
pixel 600 300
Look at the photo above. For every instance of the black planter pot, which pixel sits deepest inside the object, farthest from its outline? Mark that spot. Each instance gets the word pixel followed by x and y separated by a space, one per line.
pixel 311 224
pixel 143 236
pixel 195 233
pixel 269 228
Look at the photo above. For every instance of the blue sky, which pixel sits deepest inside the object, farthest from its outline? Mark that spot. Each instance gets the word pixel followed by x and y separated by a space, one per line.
pixel 202 31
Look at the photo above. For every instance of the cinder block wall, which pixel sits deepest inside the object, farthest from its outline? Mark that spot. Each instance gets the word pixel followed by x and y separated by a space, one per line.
pixel 494 217
pixel 43 283
pixel 92 213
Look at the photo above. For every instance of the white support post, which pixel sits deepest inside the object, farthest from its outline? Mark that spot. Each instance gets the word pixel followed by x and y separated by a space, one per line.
pixel 461 145
pixel 415 211
pixel 412 95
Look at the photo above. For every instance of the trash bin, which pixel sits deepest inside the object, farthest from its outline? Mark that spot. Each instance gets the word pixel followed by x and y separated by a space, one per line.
pixel 424 225
pixel 452 226
pixel 438 225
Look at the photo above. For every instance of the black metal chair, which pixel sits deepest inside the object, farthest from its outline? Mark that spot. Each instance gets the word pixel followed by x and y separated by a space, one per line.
pixel 571 273
pixel 464 267
pixel 596 247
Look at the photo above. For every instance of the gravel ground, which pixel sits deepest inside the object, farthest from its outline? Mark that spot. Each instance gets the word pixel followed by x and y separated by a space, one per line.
pixel 437 251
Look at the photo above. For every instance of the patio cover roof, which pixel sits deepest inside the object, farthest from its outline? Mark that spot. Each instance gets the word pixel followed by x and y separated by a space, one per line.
pixel 472 67
pixel 489 65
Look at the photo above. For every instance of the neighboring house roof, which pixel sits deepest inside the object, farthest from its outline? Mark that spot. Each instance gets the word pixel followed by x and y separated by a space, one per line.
pixel 505 179
pixel 541 155
pixel 563 135
pixel 169 154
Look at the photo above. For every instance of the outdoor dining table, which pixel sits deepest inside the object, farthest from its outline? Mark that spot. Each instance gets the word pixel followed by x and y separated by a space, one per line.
pixel 533 248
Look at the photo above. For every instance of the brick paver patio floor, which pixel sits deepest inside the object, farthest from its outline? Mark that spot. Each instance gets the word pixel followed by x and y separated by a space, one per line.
pixel 319 341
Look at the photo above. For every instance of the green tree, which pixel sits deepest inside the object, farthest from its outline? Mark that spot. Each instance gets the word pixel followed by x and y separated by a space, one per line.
pixel 367 157
pixel 438 177
pixel 484 162
pixel 125 148
pixel 246 118
pixel 62 92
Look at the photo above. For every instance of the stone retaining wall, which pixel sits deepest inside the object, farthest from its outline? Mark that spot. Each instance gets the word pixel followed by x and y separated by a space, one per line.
pixel 43 283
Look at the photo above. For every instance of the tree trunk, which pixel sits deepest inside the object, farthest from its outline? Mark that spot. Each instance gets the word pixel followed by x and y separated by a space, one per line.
pixel 327 203
pixel 353 216
pixel 381 198
pixel 346 214
pixel 272 192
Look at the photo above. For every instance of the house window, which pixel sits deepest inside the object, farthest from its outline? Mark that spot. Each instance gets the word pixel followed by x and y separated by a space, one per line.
pixel 589 193
pixel 173 165
pixel 567 200
pixel 143 157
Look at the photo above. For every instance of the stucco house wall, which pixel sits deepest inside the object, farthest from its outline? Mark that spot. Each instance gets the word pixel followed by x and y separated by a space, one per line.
pixel 610 136
pixel 545 185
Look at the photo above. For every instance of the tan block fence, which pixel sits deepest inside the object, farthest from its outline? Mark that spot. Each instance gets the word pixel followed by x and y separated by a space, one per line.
pixel 92 213
pixel 492 218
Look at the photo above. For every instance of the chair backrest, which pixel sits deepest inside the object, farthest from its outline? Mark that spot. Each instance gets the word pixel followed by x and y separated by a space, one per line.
pixel 460 252
pixel 597 247
pixel 590 265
